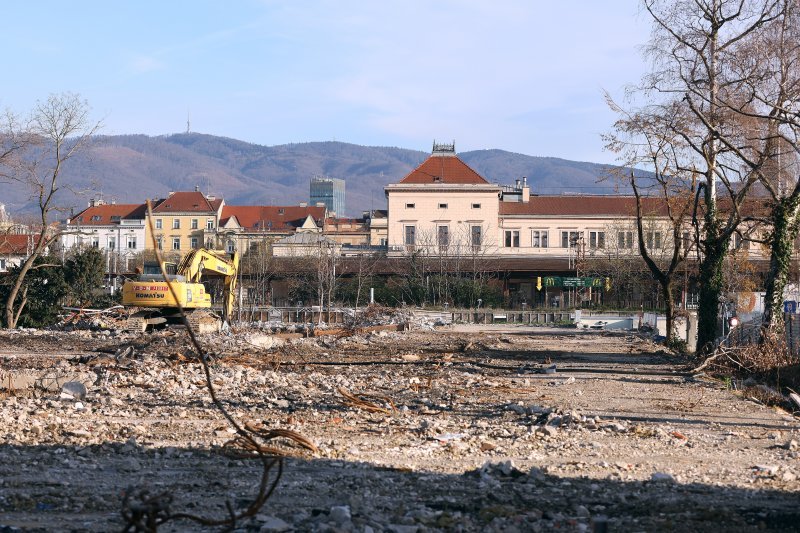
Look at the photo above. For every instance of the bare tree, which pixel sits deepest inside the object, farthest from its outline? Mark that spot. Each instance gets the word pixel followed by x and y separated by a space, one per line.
pixel 746 96
pixel 618 261
pixel 768 101
pixel 678 211
pixel 651 140
pixel 694 49
pixel 57 129
pixel 364 266
pixel 257 265
pixel 327 277
pixel 448 267
pixel 314 270
pixel 413 271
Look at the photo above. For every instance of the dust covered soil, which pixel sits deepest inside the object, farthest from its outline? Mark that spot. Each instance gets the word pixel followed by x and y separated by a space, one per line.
pixel 463 430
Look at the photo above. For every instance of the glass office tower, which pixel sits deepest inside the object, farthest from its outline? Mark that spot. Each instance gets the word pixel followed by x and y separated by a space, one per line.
pixel 329 191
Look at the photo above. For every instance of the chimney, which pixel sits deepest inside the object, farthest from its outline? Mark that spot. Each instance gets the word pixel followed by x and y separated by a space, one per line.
pixel 196 188
pixel 517 183
pixel 303 204
pixel 526 191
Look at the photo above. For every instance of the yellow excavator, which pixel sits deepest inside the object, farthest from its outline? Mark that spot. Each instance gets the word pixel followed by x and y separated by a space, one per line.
pixel 157 304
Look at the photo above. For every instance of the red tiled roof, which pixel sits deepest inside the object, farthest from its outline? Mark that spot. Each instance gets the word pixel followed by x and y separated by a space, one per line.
pixel 102 214
pixel 17 244
pixel 187 202
pixel 444 169
pixel 271 217
pixel 752 207
pixel 583 206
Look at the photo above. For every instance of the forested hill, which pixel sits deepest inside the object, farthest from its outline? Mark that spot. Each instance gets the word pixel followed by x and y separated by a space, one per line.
pixel 132 168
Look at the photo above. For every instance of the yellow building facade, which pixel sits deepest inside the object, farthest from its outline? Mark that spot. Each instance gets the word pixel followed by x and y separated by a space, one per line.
pixel 183 221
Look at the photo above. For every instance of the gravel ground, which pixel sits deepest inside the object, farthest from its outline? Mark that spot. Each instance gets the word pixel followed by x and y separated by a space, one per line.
pixel 480 433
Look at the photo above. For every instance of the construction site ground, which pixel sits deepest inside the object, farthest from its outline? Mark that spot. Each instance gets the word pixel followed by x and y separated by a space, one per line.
pixel 478 428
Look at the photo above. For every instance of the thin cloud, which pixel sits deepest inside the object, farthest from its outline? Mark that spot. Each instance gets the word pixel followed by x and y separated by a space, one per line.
pixel 142 64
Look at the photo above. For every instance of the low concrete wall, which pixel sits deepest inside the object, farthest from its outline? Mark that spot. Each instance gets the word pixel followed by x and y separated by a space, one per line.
pixel 290 316
pixel 497 316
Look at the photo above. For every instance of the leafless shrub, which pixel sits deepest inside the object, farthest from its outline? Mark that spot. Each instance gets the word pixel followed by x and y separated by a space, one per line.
pixel 771 355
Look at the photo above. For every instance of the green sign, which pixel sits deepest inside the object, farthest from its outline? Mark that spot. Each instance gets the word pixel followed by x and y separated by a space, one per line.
pixel 572 282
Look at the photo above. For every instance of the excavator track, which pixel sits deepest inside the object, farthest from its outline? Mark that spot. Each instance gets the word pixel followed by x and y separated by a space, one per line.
pixel 141 321
pixel 203 321
pixel 136 324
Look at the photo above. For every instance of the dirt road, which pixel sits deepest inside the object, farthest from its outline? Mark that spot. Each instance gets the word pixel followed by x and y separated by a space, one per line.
pixel 482 434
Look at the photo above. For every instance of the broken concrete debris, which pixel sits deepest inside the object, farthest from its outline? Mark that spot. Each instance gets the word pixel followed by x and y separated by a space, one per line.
pixel 272 524
pixel 75 389
pixel 795 399
pixel 340 514
pixel 662 477
pixel 439 431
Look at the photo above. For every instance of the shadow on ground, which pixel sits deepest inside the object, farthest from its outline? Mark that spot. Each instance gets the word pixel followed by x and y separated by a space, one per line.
pixel 48 488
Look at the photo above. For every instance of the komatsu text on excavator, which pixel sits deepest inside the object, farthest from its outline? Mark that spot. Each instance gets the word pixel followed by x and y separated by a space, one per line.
pixel 158 305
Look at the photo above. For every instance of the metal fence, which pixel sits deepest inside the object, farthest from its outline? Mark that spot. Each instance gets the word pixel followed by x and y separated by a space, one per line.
pixel 749 332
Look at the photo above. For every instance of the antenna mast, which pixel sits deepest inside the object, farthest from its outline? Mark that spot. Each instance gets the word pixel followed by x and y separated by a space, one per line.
pixel 188 123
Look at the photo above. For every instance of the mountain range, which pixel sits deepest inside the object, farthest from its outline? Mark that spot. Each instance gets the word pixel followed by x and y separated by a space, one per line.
pixel 132 168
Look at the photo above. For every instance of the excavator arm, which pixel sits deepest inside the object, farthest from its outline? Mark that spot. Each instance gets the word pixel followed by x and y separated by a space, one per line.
pixel 202 261
pixel 229 291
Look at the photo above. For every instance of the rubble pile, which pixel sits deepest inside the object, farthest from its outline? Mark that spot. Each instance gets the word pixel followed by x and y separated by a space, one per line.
pixel 109 319
pixel 413 431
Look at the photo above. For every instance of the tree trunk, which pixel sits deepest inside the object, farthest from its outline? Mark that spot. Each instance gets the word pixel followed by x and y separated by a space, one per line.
pixel 358 291
pixel 784 231
pixel 669 307
pixel 13 313
pixel 711 284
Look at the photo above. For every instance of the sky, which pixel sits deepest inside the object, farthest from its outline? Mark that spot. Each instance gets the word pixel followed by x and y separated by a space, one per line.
pixel 525 76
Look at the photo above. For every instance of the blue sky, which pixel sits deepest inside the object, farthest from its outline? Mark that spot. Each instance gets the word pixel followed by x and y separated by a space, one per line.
pixel 525 76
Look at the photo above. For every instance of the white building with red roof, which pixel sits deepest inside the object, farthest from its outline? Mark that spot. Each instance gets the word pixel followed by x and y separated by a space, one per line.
pixel 558 226
pixel 116 229
pixel 443 206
